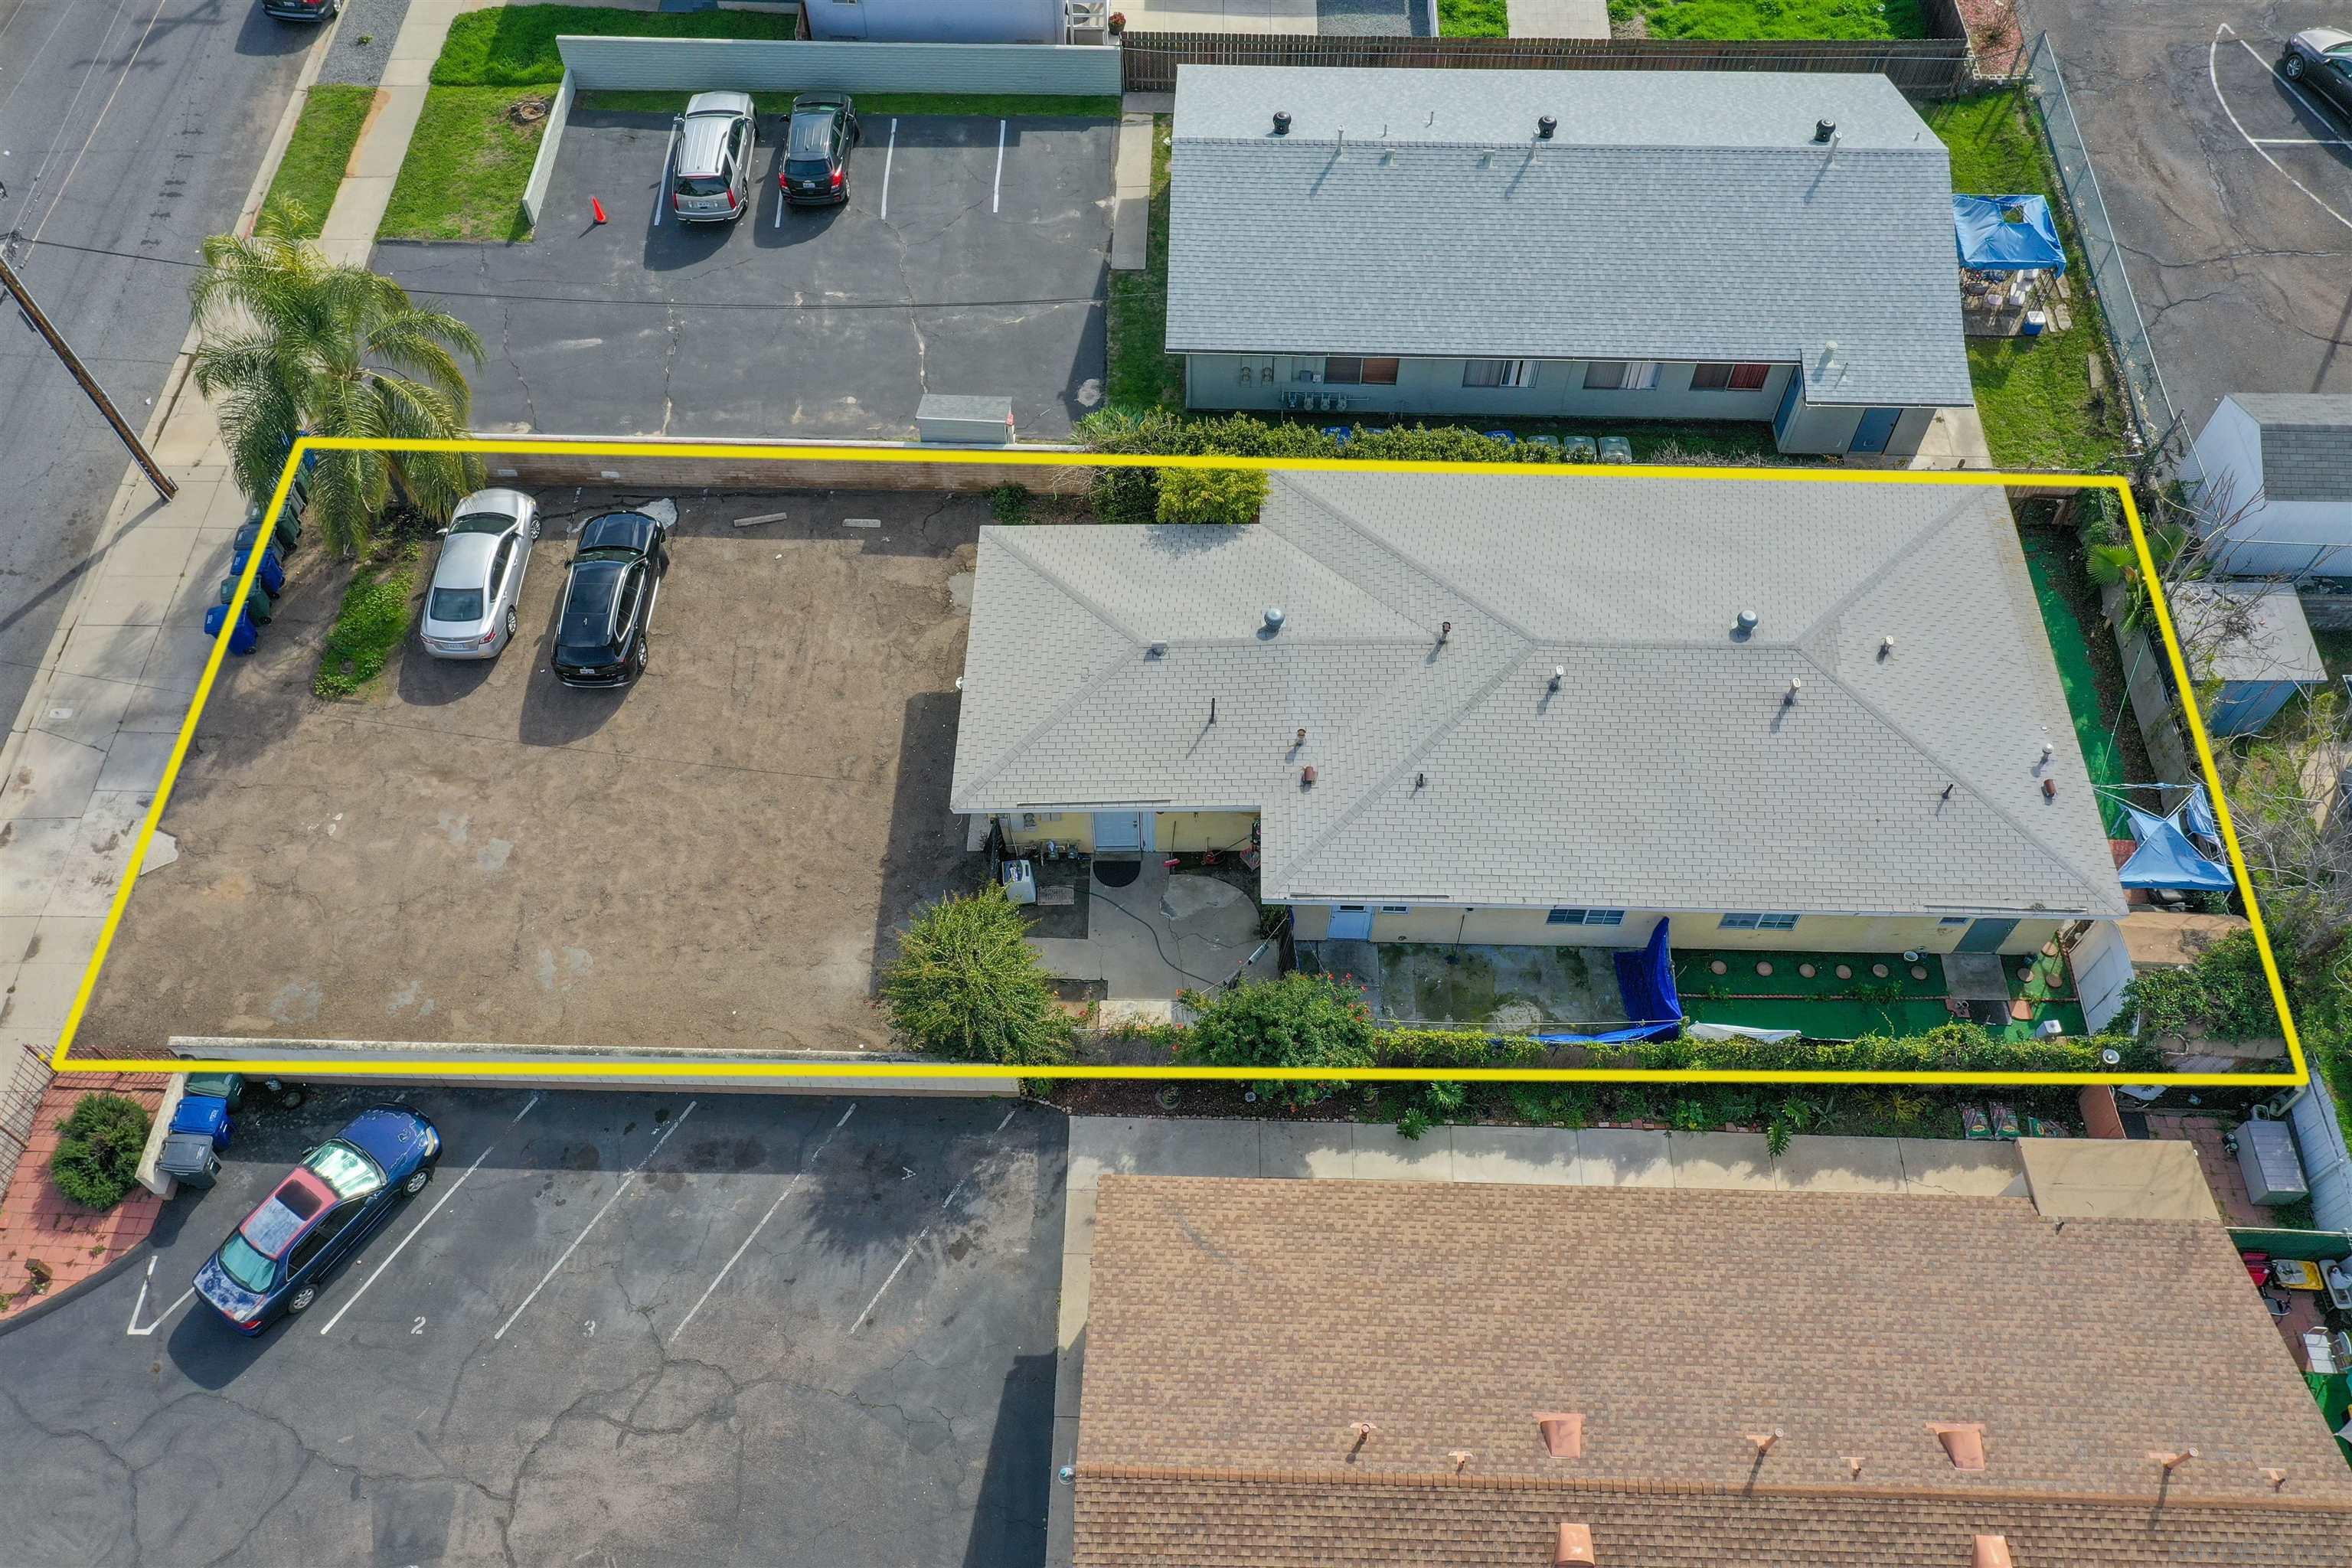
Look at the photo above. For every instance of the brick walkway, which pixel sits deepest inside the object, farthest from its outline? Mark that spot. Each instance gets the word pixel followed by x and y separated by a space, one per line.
pixel 38 1222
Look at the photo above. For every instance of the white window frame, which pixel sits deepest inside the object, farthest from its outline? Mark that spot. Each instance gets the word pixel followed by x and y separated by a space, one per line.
pixel 1514 373
pixel 1760 919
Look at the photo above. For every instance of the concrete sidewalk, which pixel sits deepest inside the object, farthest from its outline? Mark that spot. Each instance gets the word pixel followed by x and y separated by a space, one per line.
pixel 349 233
pixel 1622 1157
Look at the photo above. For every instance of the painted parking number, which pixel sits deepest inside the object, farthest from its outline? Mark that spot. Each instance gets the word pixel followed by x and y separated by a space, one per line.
pixel 592 1327
pixel 417 1327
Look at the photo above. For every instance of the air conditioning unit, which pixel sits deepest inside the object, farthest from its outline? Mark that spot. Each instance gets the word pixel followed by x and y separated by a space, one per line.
pixel 1086 21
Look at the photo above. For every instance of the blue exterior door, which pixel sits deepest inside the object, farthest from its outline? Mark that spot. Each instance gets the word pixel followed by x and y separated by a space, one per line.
pixel 1877 428
pixel 1788 405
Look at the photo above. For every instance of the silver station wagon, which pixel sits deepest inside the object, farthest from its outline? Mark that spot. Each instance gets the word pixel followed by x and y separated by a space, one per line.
pixel 469 611
pixel 711 180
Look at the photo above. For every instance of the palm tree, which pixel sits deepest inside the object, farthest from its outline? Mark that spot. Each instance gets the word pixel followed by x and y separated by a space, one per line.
pixel 2110 562
pixel 291 341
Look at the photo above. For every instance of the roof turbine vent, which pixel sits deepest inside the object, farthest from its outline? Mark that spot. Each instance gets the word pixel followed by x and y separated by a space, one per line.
pixel 1824 131
pixel 1282 122
pixel 1545 126
pixel 1745 622
pixel 1273 619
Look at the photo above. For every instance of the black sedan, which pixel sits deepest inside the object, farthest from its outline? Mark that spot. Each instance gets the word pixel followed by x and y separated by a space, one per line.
pixel 817 150
pixel 2321 58
pixel 608 600
pixel 276 1261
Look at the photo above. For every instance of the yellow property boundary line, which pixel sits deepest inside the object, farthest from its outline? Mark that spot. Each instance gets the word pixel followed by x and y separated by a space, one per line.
pixel 63 1060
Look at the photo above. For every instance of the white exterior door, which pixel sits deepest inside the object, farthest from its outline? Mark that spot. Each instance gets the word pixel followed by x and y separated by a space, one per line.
pixel 1119 832
pixel 1350 923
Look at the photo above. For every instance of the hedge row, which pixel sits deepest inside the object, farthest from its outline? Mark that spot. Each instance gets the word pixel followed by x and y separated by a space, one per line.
pixel 1949 1047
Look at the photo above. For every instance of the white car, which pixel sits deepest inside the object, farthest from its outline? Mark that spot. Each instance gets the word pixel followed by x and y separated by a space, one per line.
pixel 469 611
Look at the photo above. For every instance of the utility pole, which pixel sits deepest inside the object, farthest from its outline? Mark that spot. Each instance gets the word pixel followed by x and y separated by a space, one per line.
pixel 16 288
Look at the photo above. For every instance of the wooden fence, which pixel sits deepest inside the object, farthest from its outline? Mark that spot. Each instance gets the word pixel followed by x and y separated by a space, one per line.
pixel 1926 66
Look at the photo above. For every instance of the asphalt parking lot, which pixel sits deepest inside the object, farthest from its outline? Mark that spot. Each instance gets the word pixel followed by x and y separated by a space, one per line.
pixel 2230 189
pixel 630 1331
pixel 473 852
pixel 972 258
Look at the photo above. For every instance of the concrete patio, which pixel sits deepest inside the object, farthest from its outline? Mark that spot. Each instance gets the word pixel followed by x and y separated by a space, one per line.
pixel 1156 936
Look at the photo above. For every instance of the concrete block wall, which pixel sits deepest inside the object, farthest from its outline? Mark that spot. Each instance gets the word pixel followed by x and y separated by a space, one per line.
pixel 653 463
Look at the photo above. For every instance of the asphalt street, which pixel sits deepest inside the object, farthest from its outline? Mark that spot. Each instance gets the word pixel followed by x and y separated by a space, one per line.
pixel 2231 190
pixel 129 131
pixel 631 1330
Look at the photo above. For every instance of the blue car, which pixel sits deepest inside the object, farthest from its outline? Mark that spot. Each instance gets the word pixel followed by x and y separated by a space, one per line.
pixel 275 1263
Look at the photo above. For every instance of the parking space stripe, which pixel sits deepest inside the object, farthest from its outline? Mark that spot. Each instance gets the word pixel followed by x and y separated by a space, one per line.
pixel 463 1177
pixel 625 1183
pixel 790 1188
pixel 2213 74
pixel 141 1305
pixel 661 193
pixel 887 154
pixel 996 196
pixel 945 1204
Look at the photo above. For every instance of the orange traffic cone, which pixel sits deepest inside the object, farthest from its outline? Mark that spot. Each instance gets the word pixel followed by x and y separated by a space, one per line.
pixel 597 207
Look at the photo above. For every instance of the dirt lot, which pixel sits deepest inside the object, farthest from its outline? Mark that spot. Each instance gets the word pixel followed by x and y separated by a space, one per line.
pixel 477 852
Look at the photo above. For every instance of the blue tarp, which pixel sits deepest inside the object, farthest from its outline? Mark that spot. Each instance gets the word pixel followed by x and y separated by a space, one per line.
pixel 2196 815
pixel 1993 240
pixel 1645 987
pixel 2165 858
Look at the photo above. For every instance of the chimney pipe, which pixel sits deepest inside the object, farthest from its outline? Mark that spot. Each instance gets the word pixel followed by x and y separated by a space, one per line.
pixel 1545 127
pixel 1282 122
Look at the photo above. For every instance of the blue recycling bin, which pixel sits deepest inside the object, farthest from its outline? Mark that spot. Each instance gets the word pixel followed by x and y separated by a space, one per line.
pixel 272 574
pixel 205 1115
pixel 242 639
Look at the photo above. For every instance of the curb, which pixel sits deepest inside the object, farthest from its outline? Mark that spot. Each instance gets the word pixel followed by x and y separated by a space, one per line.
pixel 74 1293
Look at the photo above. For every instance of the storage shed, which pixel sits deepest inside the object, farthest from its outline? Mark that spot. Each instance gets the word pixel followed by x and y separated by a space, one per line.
pixel 2253 639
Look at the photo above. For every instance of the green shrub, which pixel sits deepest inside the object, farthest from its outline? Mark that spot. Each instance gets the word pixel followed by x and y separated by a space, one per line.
pixel 967 983
pixel 373 620
pixel 1228 496
pixel 98 1146
pixel 1301 1020
pixel 1947 1048
pixel 2224 994
pixel 1010 503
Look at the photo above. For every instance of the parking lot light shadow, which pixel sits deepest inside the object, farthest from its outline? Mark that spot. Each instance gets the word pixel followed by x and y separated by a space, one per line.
pixel 1008 1523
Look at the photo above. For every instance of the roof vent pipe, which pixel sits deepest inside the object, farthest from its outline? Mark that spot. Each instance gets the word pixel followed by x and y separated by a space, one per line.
pixel 1545 126
pixel 1574 1547
pixel 1747 622
pixel 1990 1551
pixel 1824 129
pixel 1282 122
pixel 1273 618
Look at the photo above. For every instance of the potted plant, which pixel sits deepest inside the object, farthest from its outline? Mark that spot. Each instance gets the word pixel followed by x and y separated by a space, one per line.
pixel 1117 23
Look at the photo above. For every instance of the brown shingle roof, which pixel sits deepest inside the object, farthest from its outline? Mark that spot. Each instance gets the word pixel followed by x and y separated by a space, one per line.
pixel 1238 1329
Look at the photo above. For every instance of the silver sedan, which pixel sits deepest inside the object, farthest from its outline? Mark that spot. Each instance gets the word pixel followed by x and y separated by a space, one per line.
pixel 469 611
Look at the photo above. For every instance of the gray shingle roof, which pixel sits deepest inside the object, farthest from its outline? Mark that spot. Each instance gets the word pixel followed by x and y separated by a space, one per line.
pixel 2306 443
pixel 1678 215
pixel 1666 773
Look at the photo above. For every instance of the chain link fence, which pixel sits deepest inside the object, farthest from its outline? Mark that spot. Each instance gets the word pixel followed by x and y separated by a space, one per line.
pixel 2160 443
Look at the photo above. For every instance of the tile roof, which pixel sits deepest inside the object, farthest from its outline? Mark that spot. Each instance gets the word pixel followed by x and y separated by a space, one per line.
pixel 1667 772
pixel 1238 1330
pixel 2306 443
pixel 1683 216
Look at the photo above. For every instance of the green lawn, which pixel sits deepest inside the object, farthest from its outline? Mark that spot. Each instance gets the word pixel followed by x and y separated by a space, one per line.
pixel 321 147
pixel 467 166
pixel 1142 375
pixel 514 45
pixel 2034 394
pixel 1000 106
pixel 1474 19
pixel 1771 18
